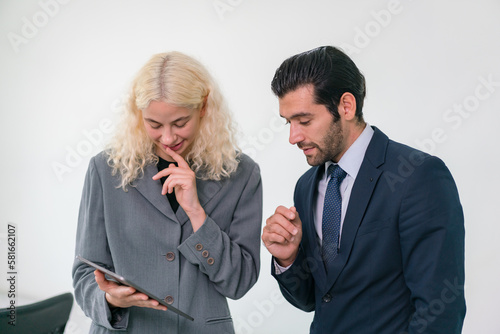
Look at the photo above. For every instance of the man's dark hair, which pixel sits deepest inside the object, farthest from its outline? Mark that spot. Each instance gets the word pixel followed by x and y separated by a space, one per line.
pixel 330 71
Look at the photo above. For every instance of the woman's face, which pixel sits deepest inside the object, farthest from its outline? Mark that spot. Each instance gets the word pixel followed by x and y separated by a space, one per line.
pixel 171 126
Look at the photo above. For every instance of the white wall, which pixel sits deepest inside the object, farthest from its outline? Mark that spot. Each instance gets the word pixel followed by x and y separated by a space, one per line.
pixel 65 67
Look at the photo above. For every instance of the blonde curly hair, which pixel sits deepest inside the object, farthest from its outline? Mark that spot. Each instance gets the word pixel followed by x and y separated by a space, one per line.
pixel 179 80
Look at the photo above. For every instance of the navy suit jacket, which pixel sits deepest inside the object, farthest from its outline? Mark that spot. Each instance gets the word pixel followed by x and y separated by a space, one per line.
pixel 400 267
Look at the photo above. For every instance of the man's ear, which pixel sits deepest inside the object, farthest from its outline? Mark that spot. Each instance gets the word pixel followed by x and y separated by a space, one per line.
pixel 347 106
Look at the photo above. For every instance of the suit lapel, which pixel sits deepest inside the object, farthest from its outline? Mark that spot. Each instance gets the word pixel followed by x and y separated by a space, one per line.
pixel 361 194
pixel 313 246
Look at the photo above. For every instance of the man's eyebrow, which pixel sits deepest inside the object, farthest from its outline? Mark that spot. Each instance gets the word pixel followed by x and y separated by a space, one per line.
pixel 297 115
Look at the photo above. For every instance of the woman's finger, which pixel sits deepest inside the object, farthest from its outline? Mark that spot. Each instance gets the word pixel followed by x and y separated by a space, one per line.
pixel 110 286
pixel 180 160
pixel 184 181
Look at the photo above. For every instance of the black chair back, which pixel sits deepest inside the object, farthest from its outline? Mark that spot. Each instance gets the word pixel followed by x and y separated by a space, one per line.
pixel 47 316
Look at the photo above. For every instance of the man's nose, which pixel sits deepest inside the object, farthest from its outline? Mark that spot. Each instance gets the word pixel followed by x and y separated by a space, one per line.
pixel 296 135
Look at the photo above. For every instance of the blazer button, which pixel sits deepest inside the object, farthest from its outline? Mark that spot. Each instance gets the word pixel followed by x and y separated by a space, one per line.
pixel 327 298
pixel 204 253
pixel 170 256
pixel 198 247
pixel 169 300
pixel 210 260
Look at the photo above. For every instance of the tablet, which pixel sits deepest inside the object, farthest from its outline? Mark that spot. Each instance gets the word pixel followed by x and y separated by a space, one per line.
pixel 122 280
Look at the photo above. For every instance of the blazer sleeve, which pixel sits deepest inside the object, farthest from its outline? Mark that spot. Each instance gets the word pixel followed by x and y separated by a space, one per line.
pixel 432 244
pixel 91 243
pixel 231 259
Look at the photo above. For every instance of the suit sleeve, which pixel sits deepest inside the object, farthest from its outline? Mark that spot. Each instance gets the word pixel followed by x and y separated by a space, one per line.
pixel 231 259
pixel 91 243
pixel 432 243
pixel 297 283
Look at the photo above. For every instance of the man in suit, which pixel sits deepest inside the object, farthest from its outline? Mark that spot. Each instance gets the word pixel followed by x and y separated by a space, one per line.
pixel 375 241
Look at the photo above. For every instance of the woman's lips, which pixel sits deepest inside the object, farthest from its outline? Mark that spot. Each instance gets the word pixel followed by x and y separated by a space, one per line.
pixel 175 147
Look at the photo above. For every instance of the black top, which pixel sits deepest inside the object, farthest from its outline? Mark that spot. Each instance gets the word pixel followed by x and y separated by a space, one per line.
pixel 162 164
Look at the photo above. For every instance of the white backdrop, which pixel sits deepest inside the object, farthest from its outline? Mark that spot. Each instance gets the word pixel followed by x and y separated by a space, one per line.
pixel 433 78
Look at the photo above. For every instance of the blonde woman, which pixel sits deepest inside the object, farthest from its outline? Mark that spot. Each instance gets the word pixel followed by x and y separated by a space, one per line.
pixel 173 206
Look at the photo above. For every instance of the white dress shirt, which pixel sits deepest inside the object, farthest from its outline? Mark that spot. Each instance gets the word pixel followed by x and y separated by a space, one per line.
pixel 350 163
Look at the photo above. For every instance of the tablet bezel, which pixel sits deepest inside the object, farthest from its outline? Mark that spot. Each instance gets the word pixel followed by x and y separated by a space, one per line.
pixel 122 280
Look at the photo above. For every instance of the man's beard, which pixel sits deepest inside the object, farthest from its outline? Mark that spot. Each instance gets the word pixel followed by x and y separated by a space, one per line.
pixel 330 148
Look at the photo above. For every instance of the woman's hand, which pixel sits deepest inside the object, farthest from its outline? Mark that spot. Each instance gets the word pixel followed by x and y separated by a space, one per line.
pixel 124 296
pixel 183 180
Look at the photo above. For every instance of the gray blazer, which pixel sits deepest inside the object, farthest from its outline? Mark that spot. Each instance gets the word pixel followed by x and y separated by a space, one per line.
pixel 137 235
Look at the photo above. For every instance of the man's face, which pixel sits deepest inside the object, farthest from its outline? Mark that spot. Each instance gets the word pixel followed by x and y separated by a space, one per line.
pixel 312 127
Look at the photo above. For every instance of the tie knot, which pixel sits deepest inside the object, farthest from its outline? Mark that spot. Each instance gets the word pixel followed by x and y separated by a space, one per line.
pixel 336 172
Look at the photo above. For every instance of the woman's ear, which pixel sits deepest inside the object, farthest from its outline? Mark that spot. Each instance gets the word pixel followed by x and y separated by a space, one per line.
pixel 203 109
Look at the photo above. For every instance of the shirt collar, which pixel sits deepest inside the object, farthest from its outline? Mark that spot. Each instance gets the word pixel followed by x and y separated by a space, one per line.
pixel 353 157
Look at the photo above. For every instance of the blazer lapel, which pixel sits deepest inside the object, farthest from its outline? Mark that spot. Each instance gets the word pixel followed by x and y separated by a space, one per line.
pixel 361 194
pixel 151 190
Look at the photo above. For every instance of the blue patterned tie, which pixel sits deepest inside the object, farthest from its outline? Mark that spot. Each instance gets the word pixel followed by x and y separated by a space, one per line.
pixel 332 210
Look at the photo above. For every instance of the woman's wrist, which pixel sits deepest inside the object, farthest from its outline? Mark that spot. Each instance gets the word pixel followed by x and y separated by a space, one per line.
pixel 197 218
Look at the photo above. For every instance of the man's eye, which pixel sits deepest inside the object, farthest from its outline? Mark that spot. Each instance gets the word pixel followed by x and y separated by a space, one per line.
pixel 304 122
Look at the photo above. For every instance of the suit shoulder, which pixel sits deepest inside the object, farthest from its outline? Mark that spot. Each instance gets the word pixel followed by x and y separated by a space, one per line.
pixel 398 152
pixel 414 165
pixel 395 147
pixel 400 159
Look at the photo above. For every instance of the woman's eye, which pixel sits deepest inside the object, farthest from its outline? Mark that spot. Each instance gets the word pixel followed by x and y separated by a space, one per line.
pixel 155 126
pixel 180 125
